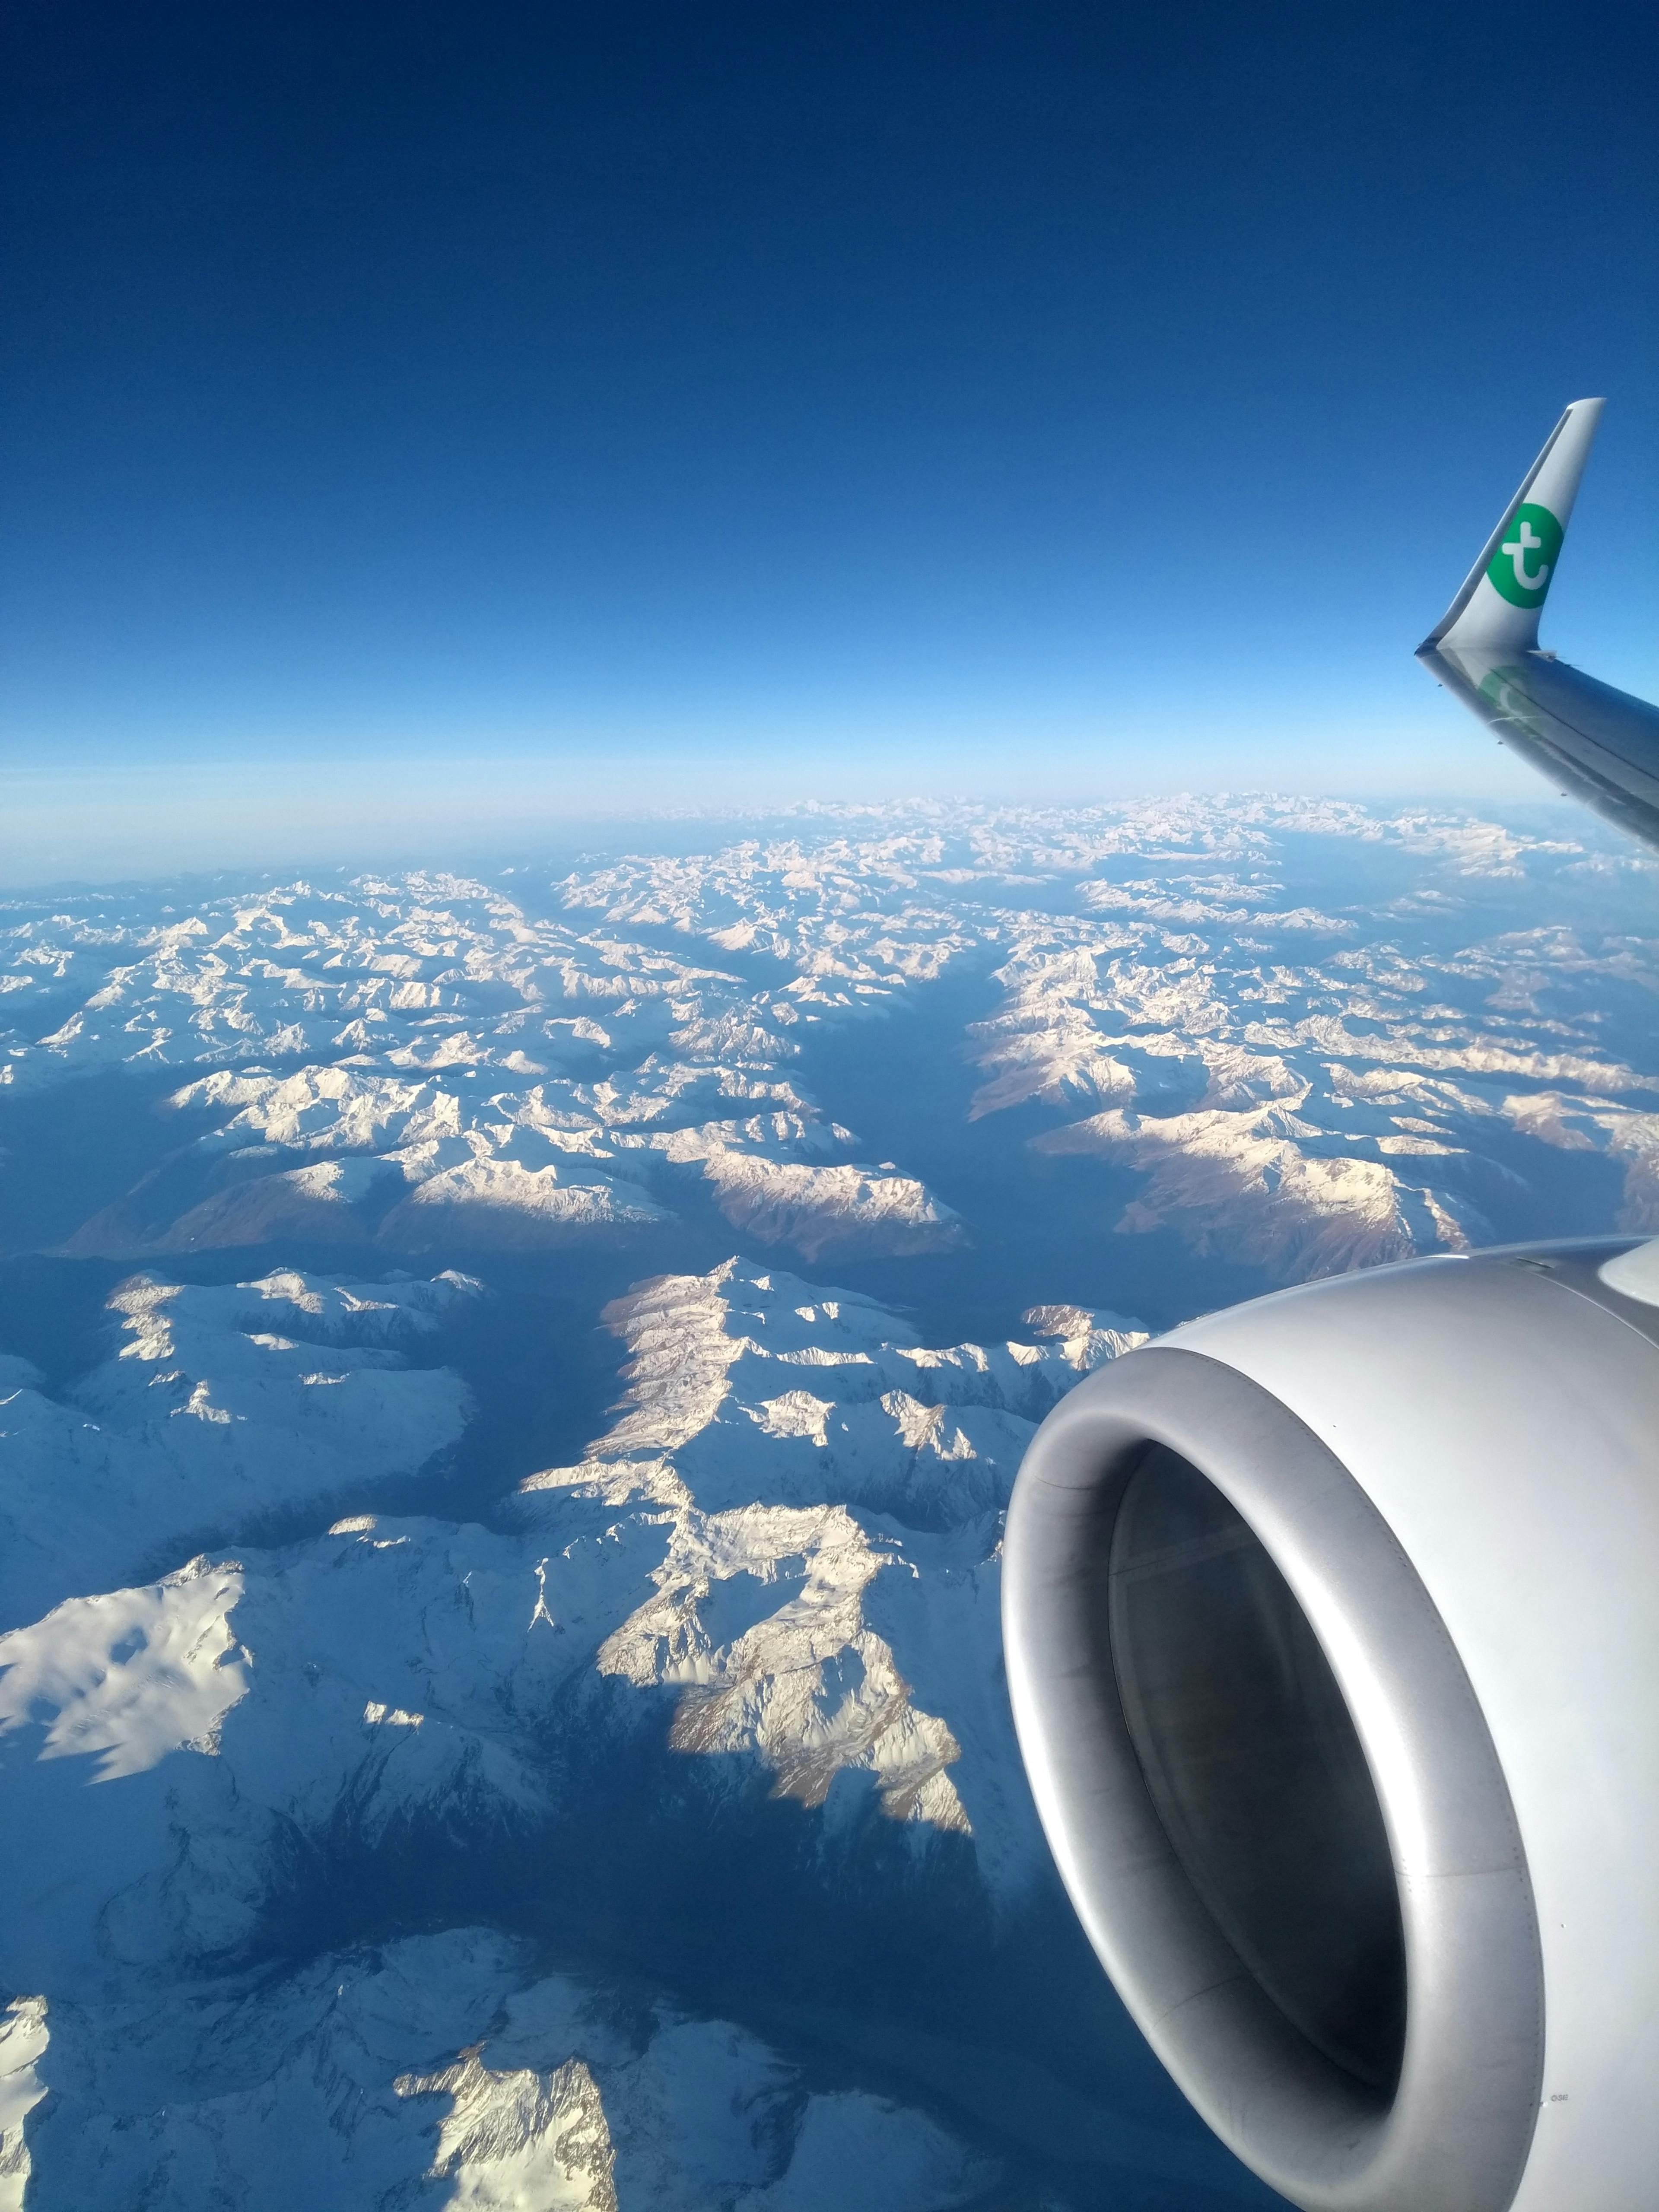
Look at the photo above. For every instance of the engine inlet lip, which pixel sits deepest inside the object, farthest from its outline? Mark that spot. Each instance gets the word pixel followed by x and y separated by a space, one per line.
pixel 1456 2135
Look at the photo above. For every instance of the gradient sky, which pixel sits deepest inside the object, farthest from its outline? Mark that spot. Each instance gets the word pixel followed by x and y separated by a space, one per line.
pixel 428 415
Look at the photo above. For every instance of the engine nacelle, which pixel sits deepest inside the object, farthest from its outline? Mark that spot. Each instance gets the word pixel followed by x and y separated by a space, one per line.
pixel 1333 1635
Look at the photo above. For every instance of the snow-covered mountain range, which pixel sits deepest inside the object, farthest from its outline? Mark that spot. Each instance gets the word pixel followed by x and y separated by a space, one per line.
pixel 508 1385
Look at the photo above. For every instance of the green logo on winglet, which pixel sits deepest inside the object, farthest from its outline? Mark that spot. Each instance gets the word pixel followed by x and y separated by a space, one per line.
pixel 1521 567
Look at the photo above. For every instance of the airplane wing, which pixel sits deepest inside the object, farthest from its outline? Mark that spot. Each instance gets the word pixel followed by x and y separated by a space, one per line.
pixel 1333 1653
pixel 1594 742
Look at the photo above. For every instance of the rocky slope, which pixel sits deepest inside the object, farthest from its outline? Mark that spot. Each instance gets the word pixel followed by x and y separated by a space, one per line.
pixel 774 1570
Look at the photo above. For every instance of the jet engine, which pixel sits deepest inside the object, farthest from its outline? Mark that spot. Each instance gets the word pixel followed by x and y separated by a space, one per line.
pixel 1332 1625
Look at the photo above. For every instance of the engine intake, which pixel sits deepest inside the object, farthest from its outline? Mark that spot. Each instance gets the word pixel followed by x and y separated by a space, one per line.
pixel 1332 1637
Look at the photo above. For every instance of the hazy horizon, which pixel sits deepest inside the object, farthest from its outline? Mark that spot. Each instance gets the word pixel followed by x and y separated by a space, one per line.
pixel 136 822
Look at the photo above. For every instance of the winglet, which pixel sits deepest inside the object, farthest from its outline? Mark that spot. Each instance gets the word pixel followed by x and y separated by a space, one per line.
pixel 1505 592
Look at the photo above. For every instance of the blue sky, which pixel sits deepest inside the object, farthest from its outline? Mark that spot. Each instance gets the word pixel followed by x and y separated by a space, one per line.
pixel 419 413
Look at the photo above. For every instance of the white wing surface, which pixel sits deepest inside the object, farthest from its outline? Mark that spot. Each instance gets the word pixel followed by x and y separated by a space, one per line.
pixel 1595 744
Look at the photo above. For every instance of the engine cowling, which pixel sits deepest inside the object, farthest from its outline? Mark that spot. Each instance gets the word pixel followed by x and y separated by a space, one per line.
pixel 1332 1625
